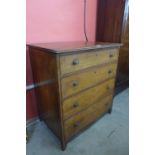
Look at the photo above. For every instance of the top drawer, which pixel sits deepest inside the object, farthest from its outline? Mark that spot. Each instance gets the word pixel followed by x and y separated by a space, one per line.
pixel 75 62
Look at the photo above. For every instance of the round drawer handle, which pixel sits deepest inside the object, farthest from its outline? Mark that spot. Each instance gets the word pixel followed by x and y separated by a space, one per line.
pixel 75 83
pixel 111 55
pixel 106 104
pixel 110 71
pixel 76 125
pixel 75 62
pixel 76 104
pixel 107 87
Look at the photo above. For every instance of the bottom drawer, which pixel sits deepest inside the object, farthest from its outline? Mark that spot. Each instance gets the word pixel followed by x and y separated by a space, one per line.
pixel 84 118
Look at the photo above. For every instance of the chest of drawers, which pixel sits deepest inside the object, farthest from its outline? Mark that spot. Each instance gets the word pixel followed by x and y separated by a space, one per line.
pixel 74 84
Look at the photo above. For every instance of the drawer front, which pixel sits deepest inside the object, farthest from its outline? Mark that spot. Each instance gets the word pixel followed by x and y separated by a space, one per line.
pixel 83 119
pixel 82 100
pixel 84 79
pixel 75 62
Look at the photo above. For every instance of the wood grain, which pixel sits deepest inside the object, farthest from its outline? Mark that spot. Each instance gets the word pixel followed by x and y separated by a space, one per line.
pixel 85 60
pixel 44 68
pixel 77 82
pixel 109 20
pixel 67 110
pixel 81 120
pixel 123 62
pixel 82 100
pixel 73 47
pixel 113 26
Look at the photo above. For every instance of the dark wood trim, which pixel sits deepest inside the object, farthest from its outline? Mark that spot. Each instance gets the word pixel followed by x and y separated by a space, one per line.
pixel 109 20
pixel 74 52
pixel 125 18
pixel 78 50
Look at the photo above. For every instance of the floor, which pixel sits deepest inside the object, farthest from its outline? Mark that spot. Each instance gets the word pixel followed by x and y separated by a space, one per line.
pixel 108 136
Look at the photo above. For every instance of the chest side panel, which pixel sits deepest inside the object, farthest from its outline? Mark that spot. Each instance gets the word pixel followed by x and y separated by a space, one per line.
pixel 44 68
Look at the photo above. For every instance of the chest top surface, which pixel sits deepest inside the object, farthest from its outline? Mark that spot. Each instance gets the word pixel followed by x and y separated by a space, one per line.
pixel 65 47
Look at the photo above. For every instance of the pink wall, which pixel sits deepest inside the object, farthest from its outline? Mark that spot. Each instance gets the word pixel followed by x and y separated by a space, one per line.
pixel 56 20
pixel 59 20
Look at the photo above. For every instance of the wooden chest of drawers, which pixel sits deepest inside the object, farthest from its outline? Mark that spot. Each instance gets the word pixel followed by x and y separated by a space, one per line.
pixel 74 84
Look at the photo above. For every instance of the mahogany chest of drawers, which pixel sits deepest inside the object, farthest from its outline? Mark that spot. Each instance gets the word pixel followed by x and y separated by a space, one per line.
pixel 74 84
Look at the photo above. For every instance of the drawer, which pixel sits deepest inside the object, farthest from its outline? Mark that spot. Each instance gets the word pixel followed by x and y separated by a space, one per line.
pixel 83 119
pixel 87 78
pixel 82 100
pixel 75 62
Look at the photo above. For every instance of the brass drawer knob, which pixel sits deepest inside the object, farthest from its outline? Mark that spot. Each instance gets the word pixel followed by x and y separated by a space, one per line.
pixel 107 87
pixel 111 55
pixel 106 104
pixel 75 62
pixel 75 83
pixel 110 71
pixel 76 125
pixel 76 104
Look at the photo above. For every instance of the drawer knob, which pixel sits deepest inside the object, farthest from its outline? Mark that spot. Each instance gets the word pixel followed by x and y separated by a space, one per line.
pixel 76 104
pixel 75 83
pixel 111 55
pixel 75 62
pixel 110 71
pixel 76 125
pixel 107 87
pixel 106 104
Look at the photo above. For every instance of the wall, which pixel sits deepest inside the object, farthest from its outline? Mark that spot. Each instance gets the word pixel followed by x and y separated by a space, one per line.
pixel 56 20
